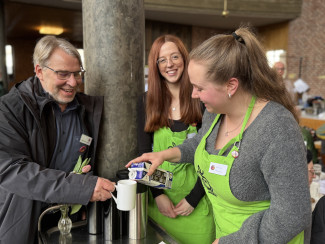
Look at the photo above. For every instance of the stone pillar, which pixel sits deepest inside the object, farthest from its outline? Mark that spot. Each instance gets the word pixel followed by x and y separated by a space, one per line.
pixel 113 33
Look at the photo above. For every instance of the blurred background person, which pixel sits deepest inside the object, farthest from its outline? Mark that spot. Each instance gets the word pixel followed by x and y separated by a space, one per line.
pixel 281 70
pixel 310 165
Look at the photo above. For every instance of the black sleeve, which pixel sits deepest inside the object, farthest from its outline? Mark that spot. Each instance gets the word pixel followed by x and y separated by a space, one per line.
pixel 156 192
pixel 196 194
pixel 145 139
pixel 318 223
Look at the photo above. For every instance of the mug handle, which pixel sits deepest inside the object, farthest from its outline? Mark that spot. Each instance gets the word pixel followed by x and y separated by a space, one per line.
pixel 116 187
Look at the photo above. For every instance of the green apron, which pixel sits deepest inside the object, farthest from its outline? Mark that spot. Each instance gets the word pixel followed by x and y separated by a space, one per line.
pixel 214 170
pixel 183 228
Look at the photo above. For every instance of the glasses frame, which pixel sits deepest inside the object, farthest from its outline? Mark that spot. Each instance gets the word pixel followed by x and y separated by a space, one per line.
pixel 177 61
pixel 80 73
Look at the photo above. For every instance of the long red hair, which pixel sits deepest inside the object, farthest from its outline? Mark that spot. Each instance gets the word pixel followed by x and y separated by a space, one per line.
pixel 159 97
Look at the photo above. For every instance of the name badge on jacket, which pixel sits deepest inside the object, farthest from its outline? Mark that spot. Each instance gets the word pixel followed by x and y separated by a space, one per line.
pixel 86 139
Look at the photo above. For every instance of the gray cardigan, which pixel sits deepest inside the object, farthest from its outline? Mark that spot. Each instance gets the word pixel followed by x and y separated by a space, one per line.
pixel 271 166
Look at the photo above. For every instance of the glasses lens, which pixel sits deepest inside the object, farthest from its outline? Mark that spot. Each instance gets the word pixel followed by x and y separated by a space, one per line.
pixel 63 75
pixel 78 75
pixel 162 61
pixel 175 59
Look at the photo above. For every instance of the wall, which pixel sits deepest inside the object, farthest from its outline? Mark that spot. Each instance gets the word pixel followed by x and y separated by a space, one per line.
pixel 23 59
pixel 200 34
pixel 274 37
pixel 301 38
pixel 306 41
pixel 154 29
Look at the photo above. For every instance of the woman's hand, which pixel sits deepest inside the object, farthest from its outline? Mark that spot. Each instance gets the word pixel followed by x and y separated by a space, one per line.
pixel 216 241
pixel 183 208
pixel 165 206
pixel 157 158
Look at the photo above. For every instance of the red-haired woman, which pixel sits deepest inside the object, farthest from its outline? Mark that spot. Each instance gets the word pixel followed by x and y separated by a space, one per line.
pixel 167 115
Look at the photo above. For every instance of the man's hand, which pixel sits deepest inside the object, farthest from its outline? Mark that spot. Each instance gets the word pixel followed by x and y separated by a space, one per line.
pixel 183 208
pixel 102 190
pixel 165 206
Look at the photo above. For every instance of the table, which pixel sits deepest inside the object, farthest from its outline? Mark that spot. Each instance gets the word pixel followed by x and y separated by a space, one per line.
pixel 80 235
pixel 310 120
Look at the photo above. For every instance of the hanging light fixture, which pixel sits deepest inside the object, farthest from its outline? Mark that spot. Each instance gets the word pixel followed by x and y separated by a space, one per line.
pixel 50 30
pixel 225 12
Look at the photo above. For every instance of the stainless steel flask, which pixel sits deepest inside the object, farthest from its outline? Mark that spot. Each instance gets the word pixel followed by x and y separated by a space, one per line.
pixel 138 217
pixel 95 218
pixel 111 215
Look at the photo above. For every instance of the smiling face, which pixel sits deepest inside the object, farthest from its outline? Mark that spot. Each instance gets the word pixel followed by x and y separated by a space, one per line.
pixel 62 91
pixel 173 67
pixel 213 96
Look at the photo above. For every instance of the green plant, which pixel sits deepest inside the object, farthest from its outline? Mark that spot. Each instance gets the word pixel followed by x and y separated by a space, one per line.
pixel 78 170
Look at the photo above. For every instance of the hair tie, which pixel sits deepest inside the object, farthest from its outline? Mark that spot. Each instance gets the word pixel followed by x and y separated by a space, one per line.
pixel 238 38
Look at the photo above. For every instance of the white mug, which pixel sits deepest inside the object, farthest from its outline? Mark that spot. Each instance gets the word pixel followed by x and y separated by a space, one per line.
pixel 126 194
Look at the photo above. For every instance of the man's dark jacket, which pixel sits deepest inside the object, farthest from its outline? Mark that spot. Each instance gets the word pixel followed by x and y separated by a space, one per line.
pixel 318 227
pixel 27 142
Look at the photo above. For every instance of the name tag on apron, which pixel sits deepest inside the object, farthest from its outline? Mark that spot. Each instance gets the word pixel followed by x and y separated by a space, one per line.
pixel 191 135
pixel 218 169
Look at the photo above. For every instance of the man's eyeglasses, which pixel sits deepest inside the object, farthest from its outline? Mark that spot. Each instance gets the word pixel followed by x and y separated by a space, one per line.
pixel 64 75
pixel 175 59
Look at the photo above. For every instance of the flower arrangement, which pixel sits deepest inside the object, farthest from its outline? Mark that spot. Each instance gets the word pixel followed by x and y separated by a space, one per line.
pixel 78 170
pixel 65 223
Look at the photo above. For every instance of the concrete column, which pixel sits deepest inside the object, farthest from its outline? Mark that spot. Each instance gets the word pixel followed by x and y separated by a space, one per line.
pixel 113 33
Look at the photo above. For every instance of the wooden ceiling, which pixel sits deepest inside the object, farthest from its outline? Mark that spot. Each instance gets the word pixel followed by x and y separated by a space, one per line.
pixel 24 20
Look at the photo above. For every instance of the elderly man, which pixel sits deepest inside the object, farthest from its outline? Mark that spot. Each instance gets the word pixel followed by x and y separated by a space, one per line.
pixel 280 69
pixel 45 125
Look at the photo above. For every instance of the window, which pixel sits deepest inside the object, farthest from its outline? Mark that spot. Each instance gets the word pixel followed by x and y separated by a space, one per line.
pixel 9 60
pixel 275 56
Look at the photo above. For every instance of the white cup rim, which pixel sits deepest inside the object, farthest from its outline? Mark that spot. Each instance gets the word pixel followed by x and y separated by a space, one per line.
pixel 127 182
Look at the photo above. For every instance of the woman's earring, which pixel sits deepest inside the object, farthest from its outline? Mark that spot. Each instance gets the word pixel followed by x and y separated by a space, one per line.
pixel 229 95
